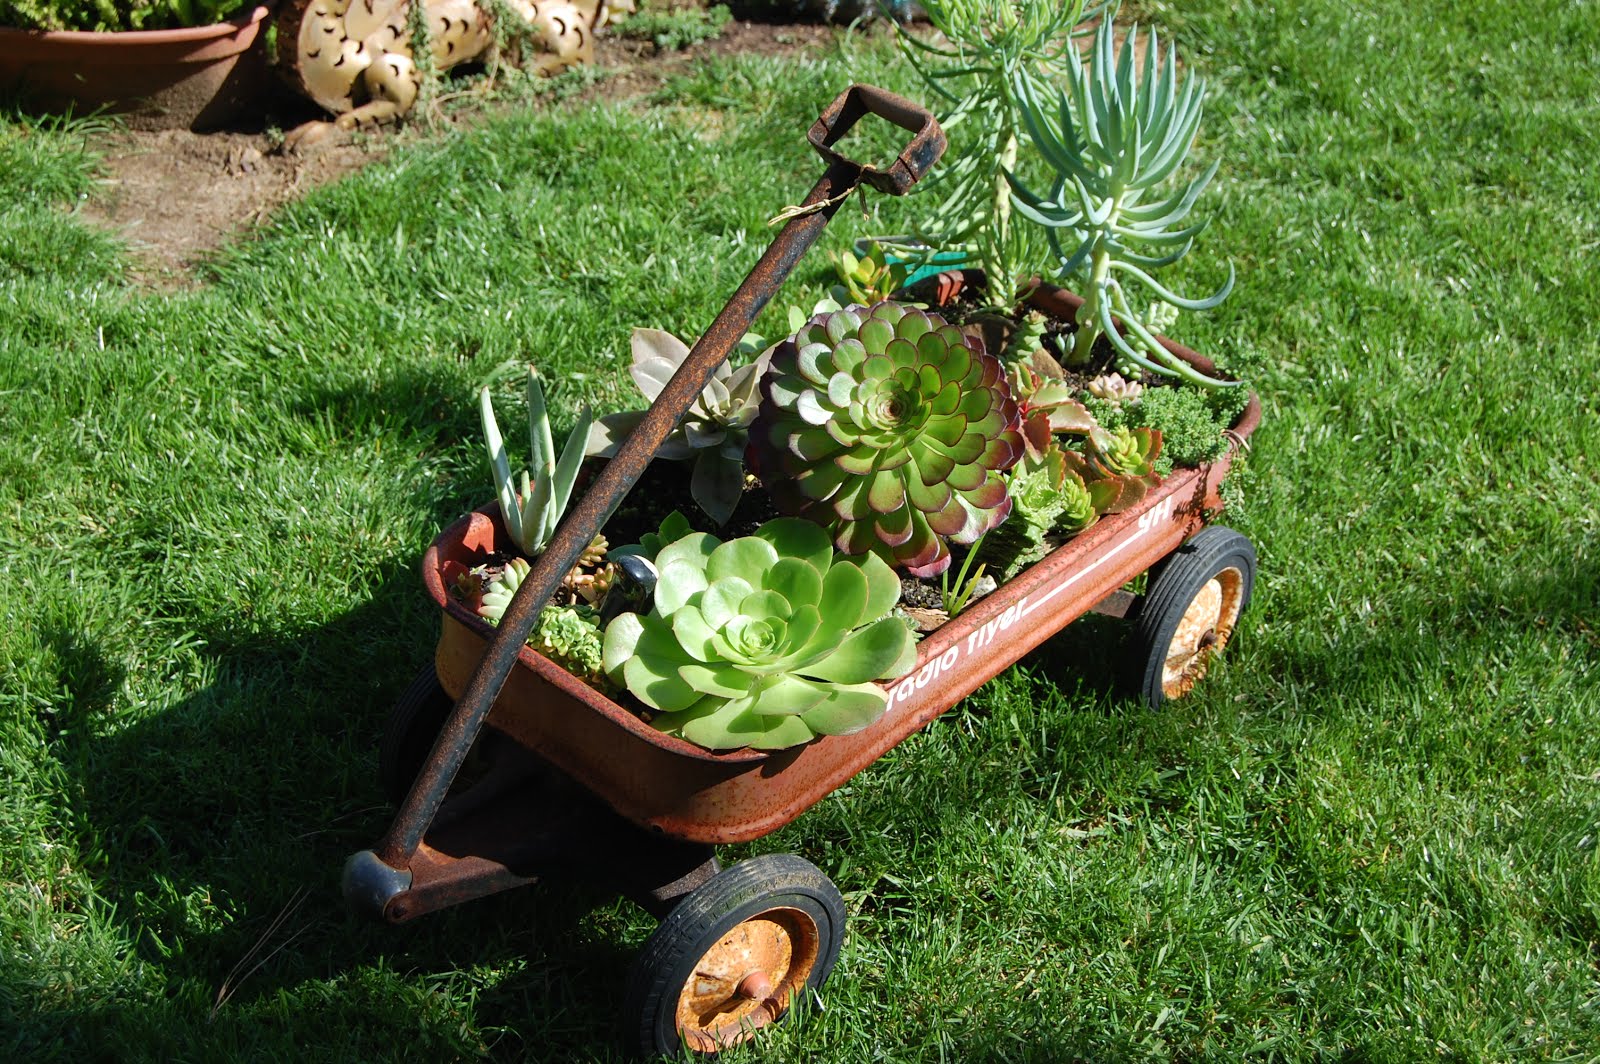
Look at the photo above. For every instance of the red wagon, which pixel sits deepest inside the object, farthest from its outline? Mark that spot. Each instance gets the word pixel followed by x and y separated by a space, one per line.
pixel 568 781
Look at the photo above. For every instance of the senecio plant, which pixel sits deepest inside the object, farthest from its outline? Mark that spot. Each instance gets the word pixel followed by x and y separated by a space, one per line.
pixel 765 641
pixel 892 429
pixel 1115 136
pixel 987 48
pixel 532 513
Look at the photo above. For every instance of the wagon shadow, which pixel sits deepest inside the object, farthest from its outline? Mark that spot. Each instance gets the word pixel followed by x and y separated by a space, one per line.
pixel 216 831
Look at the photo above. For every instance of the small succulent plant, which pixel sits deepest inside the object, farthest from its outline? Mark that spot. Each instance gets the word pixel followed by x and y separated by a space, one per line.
pixel 1049 406
pixel 1125 452
pixel 867 278
pixel 892 429
pixel 1027 340
pixel 1050 499
pixel 765 641
pixel 1114 389
pixel 592 575
pixel 567 635
pixel 1118 466
pixel 713 432
pixel 1115 136
pixel 532 513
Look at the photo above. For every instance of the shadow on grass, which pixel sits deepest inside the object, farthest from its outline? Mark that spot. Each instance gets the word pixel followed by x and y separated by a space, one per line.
pixel 1466 627
pixel 203 823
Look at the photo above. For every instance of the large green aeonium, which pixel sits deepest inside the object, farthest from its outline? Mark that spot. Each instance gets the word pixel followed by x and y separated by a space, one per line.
pixel 891 428
pixel 766 641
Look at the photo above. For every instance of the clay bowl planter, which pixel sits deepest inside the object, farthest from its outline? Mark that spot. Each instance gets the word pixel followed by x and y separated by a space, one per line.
pixel 195 78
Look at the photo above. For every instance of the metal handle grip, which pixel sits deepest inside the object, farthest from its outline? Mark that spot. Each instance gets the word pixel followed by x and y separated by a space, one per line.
pixel 914 161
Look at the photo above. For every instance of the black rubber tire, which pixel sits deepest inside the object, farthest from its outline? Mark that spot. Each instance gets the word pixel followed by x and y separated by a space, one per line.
pixel 773 887
pixel 1215 553
pixel 409 734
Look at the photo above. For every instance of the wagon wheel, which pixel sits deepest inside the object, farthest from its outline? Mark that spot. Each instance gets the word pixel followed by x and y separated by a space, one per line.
pixel 409 733
pixel 734 956
pixel 1189 613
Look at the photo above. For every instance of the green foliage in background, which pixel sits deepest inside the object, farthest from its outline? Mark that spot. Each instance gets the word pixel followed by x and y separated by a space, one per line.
pixel 673 30
pixel 102 15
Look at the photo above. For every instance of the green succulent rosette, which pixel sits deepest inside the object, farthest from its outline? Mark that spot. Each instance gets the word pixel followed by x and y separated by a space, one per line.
pixel 765 641
pixel 891 428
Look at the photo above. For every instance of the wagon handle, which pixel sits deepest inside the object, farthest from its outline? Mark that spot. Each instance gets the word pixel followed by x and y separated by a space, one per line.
pixel 373 878
pixel 914 161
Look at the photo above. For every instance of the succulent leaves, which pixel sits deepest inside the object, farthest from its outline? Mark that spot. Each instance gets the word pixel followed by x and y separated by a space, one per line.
pixel 982 46
pixel 1115 135
pixel 1051 407
pixel 1114 389
pixel 1050 500
pixel 1117 466
pixel 567 635
pixel 713 432
pixel 531 514
pixel 892 429
pixel 765 641
pixel 870 277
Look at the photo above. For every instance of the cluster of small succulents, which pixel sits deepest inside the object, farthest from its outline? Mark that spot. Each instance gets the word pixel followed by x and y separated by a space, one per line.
pixel 567 635
pixel 1050 500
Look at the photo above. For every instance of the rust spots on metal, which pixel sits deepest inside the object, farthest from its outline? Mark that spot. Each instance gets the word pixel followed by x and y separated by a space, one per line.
pixel 747 979
pixel 590 512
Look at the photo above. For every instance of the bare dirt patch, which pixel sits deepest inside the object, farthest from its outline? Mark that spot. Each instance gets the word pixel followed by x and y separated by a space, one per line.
pixel 176 196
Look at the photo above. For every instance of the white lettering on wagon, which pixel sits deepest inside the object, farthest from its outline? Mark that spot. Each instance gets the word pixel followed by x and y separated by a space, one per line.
pixel 1160 513
pixel 984 634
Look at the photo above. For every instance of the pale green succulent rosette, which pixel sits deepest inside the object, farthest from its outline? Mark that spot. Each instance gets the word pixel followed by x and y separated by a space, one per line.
pixel 766 641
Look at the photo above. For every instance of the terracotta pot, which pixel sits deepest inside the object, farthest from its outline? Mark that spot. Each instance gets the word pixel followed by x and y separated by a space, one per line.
pixel 195 78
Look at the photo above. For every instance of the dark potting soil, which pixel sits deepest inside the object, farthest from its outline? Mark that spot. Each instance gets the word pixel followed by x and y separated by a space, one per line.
pixel 664 487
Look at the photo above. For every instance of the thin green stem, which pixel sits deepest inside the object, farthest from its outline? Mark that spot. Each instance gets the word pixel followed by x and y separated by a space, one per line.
pixel 1088 315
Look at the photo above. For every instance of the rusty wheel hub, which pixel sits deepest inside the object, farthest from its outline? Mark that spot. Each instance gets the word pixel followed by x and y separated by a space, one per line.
pixel 1203 632
pixel 747 979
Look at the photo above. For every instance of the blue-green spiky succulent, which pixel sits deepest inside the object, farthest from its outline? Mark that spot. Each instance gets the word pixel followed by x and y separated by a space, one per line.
pixel 1115 135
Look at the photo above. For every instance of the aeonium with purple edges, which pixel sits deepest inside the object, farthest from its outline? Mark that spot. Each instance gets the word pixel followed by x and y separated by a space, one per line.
pixel 892 429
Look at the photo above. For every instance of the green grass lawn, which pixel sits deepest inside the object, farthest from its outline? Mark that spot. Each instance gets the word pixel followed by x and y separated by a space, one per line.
pixel 1371 834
